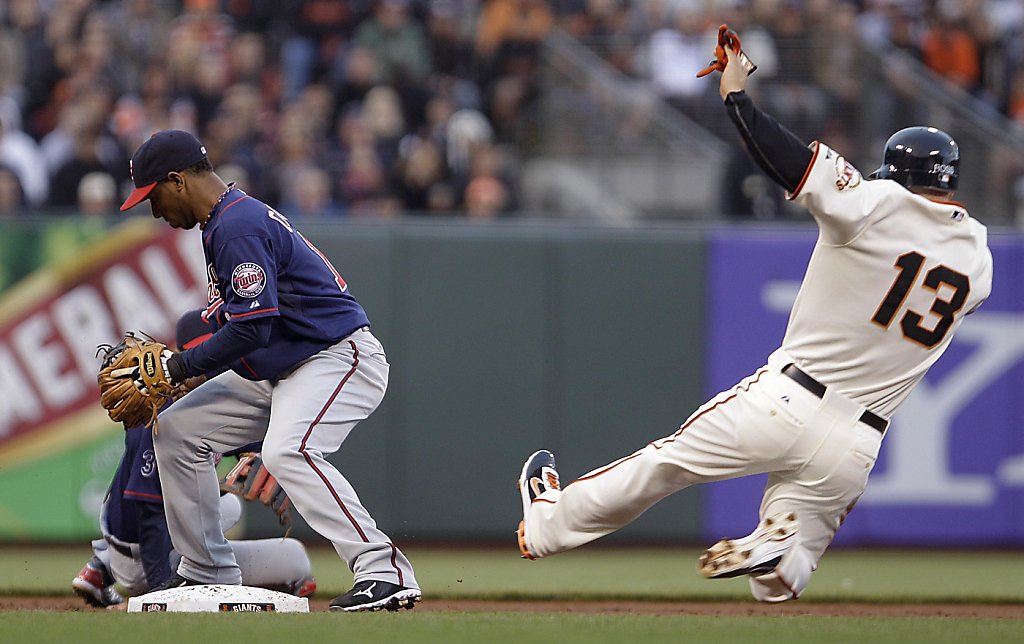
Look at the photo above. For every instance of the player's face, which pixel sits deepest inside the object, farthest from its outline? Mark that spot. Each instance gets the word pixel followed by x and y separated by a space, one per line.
pixel 170 205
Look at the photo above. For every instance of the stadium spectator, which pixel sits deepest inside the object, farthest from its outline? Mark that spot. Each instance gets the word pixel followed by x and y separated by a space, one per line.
pixel 340 84
pixel 316 30
pixel 509 34
pixel 97 194
pixel 11 200
pixel 951 50
pixel 421 166
pixel 309 194
pixel 21 154
pixel 396 42
pixel 675 51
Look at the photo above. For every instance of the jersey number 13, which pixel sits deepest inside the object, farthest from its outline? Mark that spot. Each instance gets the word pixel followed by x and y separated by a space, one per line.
pixel 909 265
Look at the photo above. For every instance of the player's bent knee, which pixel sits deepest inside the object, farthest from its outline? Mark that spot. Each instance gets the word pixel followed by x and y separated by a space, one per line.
pixel 297 555
pixel 275 455
pixel 167 428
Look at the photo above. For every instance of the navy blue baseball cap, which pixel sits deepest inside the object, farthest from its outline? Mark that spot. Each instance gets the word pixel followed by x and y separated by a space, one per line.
pixel 164 152
pixel 192 329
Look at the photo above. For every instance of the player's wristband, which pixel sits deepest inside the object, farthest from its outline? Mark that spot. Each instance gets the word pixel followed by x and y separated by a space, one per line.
pixel 176 369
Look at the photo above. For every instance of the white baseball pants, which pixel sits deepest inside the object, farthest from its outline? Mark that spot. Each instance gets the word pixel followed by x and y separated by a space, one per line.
pixel 816 451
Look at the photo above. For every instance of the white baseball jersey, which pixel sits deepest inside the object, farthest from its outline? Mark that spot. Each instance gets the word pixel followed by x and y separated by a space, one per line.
pixel 891 278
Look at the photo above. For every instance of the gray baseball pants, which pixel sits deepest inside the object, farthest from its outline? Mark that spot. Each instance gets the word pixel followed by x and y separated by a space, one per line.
pixel 301 418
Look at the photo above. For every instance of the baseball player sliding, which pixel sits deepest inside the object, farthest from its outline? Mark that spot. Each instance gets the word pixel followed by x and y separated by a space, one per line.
pixel 292 362
pixel 896 267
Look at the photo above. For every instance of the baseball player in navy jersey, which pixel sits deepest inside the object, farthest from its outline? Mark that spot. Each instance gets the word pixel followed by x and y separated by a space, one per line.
pixel 136 551
pixel 896 267
pixel 292 362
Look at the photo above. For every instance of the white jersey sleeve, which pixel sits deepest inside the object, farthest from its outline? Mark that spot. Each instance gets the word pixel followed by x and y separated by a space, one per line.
pixel 890 280
pixel 828 191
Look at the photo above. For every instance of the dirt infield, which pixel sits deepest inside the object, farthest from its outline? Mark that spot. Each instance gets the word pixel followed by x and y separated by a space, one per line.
pixel 956 611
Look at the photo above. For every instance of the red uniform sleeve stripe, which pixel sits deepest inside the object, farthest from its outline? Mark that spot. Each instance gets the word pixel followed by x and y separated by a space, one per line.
pixel 210 309
pixel 249 367
pixel 245 315
pixel 155 497
pixel 197 341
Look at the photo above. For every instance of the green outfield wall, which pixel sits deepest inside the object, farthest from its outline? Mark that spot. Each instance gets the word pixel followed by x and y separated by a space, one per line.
pixel 503 338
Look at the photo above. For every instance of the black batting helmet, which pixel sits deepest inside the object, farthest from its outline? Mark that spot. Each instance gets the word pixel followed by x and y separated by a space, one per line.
pixel 921 157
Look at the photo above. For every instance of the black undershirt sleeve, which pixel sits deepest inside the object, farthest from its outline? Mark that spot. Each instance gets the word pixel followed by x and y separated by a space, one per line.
pixel 782 156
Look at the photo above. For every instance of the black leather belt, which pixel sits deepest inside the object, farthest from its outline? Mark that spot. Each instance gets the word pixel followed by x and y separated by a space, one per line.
pixel 794 372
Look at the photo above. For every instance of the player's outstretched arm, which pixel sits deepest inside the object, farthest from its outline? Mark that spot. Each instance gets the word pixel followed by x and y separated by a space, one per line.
pixel 779 153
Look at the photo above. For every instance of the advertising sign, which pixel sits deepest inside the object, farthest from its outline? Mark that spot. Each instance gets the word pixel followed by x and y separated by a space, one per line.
pixel 951 469
pixel 139 277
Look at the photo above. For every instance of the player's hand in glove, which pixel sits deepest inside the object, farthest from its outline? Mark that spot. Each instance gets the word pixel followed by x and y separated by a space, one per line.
pixel 250 480
pixel 134 380
pixel 727 40
pixel 185 386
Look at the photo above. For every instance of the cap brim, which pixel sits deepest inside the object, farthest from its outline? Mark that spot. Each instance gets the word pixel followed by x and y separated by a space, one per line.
pixel 137 195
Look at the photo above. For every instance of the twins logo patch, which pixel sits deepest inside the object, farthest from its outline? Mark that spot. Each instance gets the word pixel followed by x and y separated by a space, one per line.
pixel 248 280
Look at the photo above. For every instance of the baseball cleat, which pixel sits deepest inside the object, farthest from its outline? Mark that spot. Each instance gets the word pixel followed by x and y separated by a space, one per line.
pixel 538 476
pixel 756 554
pixel 95 585
pixel 304 587
pixel 176 581
pixel 374 595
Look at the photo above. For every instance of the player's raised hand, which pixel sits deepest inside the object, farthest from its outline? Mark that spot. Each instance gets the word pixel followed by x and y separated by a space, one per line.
pixel 734 77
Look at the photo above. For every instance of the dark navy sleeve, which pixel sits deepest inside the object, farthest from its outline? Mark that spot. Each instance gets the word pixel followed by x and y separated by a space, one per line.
pixel 782 156
pixel 247 266
pixel 154 542
pixel 228 344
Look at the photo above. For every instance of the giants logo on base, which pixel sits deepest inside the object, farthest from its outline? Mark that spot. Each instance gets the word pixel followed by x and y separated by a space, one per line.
pixel 244 607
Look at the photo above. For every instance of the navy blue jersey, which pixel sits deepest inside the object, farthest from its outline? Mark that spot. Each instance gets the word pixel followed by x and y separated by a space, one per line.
pixel 134 508
pixel 136 481
pixel 133 511
pixel 259 266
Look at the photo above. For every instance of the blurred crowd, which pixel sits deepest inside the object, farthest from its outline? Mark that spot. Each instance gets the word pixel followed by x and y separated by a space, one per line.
pixel 366 108
pixel 834 70
pixel 322 107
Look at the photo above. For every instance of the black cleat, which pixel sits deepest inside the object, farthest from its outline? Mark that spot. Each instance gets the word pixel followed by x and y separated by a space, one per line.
pixel 373 594
pixel 176 581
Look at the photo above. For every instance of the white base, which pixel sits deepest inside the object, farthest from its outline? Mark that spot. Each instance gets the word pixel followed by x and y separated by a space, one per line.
pixel 218 598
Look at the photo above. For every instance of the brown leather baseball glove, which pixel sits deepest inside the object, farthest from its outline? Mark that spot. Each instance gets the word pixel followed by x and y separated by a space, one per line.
pixel 133 379
pixel 251 480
